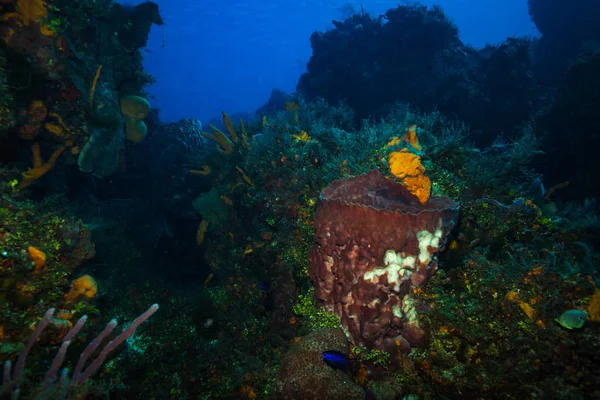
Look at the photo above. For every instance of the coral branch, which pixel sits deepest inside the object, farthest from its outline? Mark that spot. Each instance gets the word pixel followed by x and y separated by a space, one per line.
pixel 225 146
pixel 94 83
pixel 39 167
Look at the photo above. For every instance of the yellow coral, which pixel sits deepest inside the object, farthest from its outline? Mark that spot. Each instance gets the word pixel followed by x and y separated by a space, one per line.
pixel 225 146
pixel 411 137
pixel 54 129
pixel 230 128
pixel 408 168
pixel 394 141
pixel 245 177
pixel 39 167
pixel 245 143
pixel 201 232
pixel 94 83
pixel 302 137
pixel 227 200
pixel 61 129
pixel 204 171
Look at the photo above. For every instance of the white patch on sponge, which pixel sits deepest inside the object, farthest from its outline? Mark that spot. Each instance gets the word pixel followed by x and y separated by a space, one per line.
pixel 428 239
pixel 397 267
pixel 410 312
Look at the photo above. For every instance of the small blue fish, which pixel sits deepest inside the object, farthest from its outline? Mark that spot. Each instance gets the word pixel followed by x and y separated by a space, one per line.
pixel 572 319
pixel 338 360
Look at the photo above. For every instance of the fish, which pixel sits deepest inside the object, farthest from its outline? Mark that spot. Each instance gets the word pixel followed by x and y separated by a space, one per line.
pixel 338 360
pixel 572 319
pixel 267 297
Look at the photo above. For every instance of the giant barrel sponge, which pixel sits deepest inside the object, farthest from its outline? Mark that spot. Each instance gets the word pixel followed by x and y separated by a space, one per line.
pixel 375 242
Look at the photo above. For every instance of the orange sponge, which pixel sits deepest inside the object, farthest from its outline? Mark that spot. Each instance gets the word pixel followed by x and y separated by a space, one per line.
pixel 407 167
pixel 594 307
pixel 38 257
pixel 84 287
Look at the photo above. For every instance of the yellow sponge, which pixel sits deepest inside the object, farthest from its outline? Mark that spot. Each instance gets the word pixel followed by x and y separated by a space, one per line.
pixel 134 109
pixel 135 131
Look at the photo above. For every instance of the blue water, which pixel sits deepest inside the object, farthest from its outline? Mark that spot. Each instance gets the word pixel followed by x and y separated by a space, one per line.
pixel 228 55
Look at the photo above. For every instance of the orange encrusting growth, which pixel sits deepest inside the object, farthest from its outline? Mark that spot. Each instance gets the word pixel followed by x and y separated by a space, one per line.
pixel 30 12
pixel 38 257
pixel 408 168
pixel 411 137
pixel 594 307
pixel 36 114
pixel 84 287
pixel 527 309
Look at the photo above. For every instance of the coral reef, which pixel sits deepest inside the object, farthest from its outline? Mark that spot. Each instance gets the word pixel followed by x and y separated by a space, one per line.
pixel 312 226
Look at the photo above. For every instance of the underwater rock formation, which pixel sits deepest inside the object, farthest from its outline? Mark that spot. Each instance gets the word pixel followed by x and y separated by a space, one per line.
pixel 570 131
pixel 413 54
pixel 304 375
pixel 567 29
pixel 364 62
pixel 374 243
pixel 565 18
